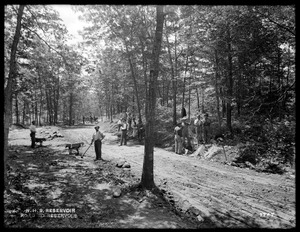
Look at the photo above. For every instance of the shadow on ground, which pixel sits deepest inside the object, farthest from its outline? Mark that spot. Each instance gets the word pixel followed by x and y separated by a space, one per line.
pixel 43 180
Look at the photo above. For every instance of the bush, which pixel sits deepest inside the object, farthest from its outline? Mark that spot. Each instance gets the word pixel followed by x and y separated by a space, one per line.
pixel 269 144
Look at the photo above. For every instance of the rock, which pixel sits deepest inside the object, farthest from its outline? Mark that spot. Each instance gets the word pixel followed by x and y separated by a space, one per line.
pixel 117 192
pixel 213 151
pixel 120 163
pixel 195 211
pixel 250 165
pixel 200 219
pixel 126 165
pixel 185 206
pixel 200 151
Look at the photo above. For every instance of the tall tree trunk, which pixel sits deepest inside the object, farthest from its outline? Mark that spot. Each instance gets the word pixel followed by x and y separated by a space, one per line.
pixel 173 78
pixel 189 97
pixel 56 100
pixel 186 66
pixel 147 180
pixel 70 108
pixel 134 83
pixel 202 98
pixel 198 99
pixel 36 108
pixel 144 71
pixel 17 108
pixel 217 87
pixel 229 82
pixel 24 112
pixel 8 89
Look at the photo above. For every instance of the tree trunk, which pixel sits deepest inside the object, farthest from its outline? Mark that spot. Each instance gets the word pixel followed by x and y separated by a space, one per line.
pixel 202 98
pixel 8 89
pixel 134 83
pixel 70 108
pixel 173 79
pixel 186 66
pixel 229 83
pixel 189 97
pixel 198 99
pixel 147 180
pixel 24 112
pixel 217 87
pixel 17 108
pixel 36 108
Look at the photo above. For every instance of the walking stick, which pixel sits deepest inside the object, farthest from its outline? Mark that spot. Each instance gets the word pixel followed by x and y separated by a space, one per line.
pixel 86 151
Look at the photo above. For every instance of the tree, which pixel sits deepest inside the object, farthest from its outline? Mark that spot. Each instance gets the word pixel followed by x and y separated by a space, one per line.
pixel 147 180
pixel 8 87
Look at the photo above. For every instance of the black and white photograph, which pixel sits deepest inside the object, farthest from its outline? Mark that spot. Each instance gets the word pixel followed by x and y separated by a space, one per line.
pixel 149 116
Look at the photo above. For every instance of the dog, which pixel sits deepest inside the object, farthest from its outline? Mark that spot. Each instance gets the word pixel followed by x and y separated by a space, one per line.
pixel 40 140
pixel 74 146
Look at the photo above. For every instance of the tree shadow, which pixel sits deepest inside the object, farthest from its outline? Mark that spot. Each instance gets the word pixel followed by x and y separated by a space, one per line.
pixel 46 178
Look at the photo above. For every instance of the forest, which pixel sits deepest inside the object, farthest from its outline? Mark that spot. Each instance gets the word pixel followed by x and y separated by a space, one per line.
pixel 236 63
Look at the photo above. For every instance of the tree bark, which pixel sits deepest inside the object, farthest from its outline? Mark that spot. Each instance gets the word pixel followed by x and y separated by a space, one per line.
pixel 70 108
pixel 229 82
pixel 147 180
pixel 134 83
pixel 8 89
pixel 17 108
pixel 174 87
pixel 217 87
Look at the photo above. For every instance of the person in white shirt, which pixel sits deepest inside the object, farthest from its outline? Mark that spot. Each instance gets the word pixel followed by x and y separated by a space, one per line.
pixel 97 139
pixel 198 125
pixel 124 132
pixel 32 129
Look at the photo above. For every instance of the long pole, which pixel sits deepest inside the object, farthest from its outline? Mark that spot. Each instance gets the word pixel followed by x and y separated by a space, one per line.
pixel 86 151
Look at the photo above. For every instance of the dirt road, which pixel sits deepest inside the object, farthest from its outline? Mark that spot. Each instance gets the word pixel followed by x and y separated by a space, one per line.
pixel 224 195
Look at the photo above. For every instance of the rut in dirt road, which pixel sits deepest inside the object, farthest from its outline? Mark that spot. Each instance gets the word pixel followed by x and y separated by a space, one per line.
pixel 225 195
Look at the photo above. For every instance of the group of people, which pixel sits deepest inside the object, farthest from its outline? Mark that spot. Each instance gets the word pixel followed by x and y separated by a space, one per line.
pixel 89 118
pixel 182 133
pixel 128 124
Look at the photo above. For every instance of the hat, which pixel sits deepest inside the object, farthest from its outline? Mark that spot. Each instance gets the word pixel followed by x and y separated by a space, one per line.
pixel 97 127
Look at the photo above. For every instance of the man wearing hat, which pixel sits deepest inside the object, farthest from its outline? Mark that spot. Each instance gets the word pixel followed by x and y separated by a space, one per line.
pixel 97 139
pixel 185 132
pixel 206 128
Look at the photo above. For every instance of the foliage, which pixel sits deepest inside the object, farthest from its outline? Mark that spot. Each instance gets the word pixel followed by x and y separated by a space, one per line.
pixel 270 146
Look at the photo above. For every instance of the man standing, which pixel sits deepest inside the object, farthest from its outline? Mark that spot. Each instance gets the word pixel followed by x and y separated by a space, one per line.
pixel 198 125
pixel 140 130
pixel 178 139
pixel 185 133
pixel 206 128
pixel 97 139
pixel 32 129
pixel 124 132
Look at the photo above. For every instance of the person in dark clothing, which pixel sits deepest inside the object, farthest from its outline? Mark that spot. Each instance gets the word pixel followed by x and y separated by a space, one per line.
pixel 185 133
pixel 140 130
pixel 123 132
pixel 178 139
pixel 198 125
pixel 97 139
pixel 183 112
pixel 32 129
pixel 206 128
